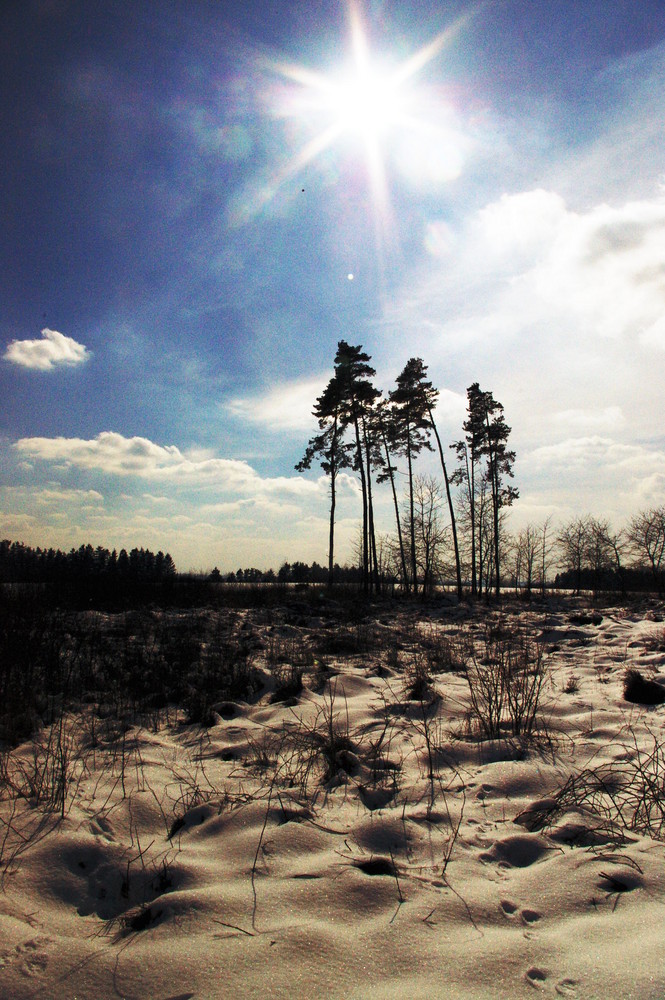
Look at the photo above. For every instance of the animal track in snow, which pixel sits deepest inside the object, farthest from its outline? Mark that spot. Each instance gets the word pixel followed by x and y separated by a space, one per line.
pixel 566 988
pixel 536 977
pixel 518 851
pixel 527 916
pixel 30 957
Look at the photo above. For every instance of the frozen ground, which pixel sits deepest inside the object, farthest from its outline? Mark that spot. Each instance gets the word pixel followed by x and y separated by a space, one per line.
pixel 358 839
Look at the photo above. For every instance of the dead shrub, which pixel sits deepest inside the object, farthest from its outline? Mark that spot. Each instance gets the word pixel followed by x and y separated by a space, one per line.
pixel 505 675
pixel 615 796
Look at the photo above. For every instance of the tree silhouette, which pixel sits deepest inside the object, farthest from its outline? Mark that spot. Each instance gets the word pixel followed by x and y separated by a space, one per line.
pixel 329 447
pixel 469 453
pixel 385 424
pixel 357 399
pixel 428 396
pixel 646 536
pixel 500 467
pixel 572 542
pixel 411 426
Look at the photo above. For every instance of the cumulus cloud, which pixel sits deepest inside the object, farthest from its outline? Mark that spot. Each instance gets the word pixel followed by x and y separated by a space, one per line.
pixel 609 264
pixel 596 473
pixel 601 458
pixel 528 262
pixel 54 350
pixel 114 454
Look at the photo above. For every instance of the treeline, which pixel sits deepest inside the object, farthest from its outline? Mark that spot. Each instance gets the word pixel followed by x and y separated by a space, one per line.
pixel 363 430
pixel 21 564
pixel 595 557
pixel 296 572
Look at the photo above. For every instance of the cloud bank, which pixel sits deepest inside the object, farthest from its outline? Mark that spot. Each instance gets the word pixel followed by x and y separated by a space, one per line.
pixel 114 454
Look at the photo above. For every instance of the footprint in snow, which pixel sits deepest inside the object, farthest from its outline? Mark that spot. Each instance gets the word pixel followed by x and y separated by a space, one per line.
pixel 566 988
pixel 519 851
pixel 527 917
pixel 509 909
pixel 536 977
pixel 30 957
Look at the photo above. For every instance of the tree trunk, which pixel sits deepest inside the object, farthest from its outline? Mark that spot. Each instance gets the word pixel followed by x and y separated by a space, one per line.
pixel 373 560
pixel 333 499
pixel 458 568
pixel 414 564
pixel 471 479
pixel 494 479
pixel 363 485
pixel 396 504
pixel 331 539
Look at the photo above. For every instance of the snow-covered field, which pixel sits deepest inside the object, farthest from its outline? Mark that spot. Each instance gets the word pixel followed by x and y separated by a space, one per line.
pixel 363 837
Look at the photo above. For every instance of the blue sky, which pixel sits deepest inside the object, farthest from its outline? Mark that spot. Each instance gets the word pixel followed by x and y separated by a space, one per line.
pixel 187 188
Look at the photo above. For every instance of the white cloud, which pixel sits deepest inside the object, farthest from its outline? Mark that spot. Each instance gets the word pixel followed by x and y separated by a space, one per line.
pixel 450 407
pixel 598 451
pixel 137 456
pixel 528 267
pixel 600 474
pixel 114 454
pixel 287 406
pixel 13 523
pixel 520 225
pixel 602 271
pixel 594 474
pixel 52 351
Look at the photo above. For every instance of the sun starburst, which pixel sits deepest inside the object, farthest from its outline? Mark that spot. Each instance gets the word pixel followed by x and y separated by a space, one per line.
pixel 369 104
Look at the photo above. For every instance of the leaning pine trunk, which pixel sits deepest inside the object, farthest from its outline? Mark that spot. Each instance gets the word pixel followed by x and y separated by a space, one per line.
pixel 396 504
pixel 453 524
pixel 494 476
pixel 331 540
pixel 363 485
pixel 373 560
pixel 414 564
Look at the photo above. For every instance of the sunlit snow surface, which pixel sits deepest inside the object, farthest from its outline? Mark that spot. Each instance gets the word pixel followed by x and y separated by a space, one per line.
pixel 274 883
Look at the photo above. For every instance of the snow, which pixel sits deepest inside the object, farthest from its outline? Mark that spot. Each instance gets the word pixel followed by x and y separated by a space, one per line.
pixel 240 861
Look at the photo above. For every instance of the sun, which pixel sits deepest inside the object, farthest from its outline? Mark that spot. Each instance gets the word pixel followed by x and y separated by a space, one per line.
pixel 367 102
pixel 370 97
pixel 372 110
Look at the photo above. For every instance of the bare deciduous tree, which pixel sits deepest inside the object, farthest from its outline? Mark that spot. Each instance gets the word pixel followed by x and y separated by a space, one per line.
pixel 429 531
pixel 572 546
pixel 646 537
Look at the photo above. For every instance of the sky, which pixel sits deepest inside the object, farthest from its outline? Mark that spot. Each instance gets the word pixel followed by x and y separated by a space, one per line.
pixel 200 199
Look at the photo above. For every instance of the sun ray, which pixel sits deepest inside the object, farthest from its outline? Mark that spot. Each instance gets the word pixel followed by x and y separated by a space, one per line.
pixel 417 62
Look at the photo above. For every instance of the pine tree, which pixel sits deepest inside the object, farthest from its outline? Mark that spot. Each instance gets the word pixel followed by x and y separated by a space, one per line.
pixel 470 451
pixel 425 397
pixel 387 435
pixel 328 446
pixel 357 399
pixel 500 466
pixel 411 429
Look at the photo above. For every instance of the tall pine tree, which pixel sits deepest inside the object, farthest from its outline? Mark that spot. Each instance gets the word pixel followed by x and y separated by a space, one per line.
pixel 358 397
pixel 329 447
